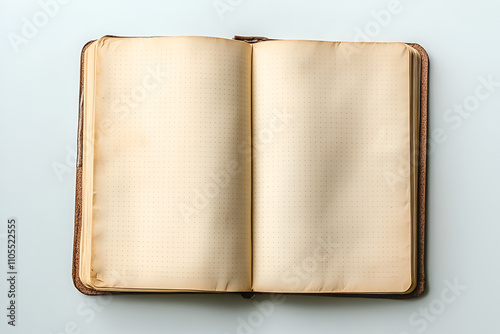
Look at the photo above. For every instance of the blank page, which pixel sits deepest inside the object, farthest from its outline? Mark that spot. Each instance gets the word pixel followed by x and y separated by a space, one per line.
pixel 331 130
pixel 171 184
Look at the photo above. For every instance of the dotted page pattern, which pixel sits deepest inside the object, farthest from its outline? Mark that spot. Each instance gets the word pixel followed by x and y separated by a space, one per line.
pixel 331 131
pixel 171 186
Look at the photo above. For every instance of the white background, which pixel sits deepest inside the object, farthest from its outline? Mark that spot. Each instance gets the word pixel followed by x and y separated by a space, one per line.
pixel 39 82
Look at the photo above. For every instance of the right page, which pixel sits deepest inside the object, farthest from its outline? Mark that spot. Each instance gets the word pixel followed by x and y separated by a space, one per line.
pixel 332 178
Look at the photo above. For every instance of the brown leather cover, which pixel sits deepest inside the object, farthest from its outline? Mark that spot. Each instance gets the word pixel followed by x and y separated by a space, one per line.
pixel 420 287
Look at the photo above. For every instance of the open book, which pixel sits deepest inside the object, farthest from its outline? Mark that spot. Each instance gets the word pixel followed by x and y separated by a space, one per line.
pixel 251 165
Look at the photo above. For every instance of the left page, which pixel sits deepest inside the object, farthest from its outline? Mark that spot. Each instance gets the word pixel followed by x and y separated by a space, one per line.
pixel 166 176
